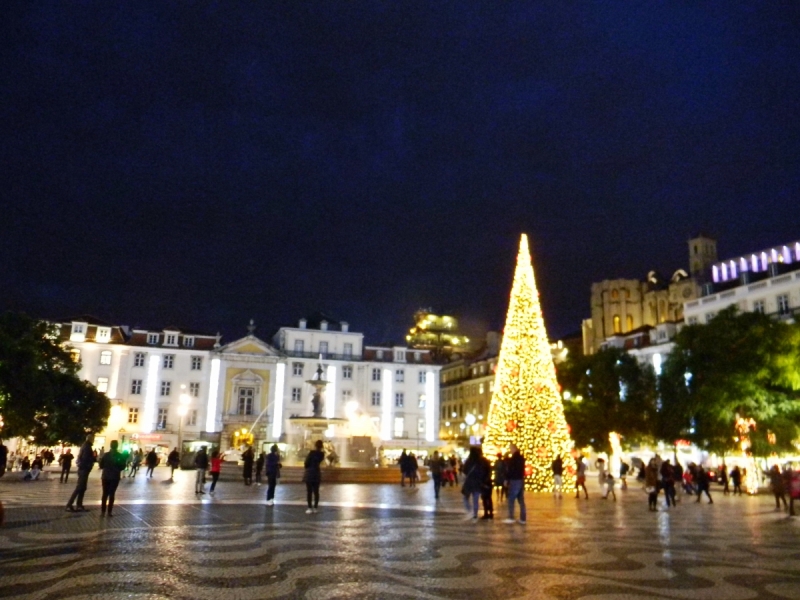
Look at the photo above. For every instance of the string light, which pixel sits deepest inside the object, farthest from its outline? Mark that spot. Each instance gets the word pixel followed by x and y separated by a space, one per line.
pixel 526 407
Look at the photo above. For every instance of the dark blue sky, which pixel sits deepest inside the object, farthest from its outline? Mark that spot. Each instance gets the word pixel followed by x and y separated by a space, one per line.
pixel 203 163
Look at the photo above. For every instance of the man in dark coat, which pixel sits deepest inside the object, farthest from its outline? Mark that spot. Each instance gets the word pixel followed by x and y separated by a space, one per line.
pixel 66 464
pixel 151 460
pixel 85 462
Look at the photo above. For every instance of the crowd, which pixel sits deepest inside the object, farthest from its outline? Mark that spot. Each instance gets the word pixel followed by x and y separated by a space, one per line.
pixel 480 479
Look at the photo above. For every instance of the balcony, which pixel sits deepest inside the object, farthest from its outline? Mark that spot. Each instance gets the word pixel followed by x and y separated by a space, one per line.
pixel 324 355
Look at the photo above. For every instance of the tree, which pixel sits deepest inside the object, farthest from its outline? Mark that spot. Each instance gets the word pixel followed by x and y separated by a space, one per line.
pixel 739 364
pixel 526 406
pixel 608 391
pixel 40 393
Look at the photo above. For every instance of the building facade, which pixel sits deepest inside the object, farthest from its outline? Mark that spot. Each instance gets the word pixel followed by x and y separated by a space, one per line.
pixel 766 281
pixel 177 388
pixel 622 306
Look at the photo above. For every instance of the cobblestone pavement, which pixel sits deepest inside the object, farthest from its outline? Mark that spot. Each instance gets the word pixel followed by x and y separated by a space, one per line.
pixel 384 541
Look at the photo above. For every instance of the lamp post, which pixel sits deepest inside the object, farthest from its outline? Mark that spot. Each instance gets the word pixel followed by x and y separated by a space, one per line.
pixel 183 409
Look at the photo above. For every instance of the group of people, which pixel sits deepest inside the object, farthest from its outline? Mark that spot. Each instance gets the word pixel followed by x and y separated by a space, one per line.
pixel 481 478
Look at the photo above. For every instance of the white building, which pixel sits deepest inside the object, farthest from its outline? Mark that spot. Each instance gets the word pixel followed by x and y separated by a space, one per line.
pixel 170 384
pixel 767 281
pixel 150 376
pixel 389 394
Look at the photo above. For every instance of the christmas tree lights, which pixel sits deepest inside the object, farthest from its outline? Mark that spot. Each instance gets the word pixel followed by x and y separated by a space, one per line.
pixel 526 404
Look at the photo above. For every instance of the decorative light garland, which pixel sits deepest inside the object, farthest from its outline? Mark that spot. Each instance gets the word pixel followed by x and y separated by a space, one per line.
pixel 526 406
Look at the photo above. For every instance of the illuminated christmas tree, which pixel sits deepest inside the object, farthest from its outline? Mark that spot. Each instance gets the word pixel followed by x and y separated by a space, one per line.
pixel 526 404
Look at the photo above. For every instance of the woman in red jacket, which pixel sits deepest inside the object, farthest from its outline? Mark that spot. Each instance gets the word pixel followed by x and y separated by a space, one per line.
pixel 216 466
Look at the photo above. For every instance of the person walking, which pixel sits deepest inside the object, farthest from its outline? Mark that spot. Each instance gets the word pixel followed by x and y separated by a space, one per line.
pixel 216 467
pixel 174 461
pixel 473 480
pixel 651 484
pixel 85 462
pixel 151 460
pixel 516 485
pixel 136 462
pixel 200 466
pixel 111 466
pixel 701 482
pixel 454 463
pixel 260 466
pixel 247 468
pixel 600 465
pixel 580 478
pixel 65 460
pixel 668 482
pixel 736 480
pixel 436 467
pixel 312 476
pixel 273 467
pixel 558 470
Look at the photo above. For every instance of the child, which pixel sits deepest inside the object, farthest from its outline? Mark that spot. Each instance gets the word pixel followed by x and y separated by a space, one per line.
pixel 610 487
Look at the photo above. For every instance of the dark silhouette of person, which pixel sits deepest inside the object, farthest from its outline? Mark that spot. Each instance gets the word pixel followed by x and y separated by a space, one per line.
pixel 112 464
pixel 85 462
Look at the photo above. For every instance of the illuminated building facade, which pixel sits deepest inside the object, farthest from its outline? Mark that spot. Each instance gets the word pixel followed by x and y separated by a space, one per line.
pixel 622 306
pixel 766 281
pixel 145 373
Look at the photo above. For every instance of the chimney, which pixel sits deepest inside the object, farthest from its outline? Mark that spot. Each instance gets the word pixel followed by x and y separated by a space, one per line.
pixel 302 324
pixel 345 326
pixel 323 325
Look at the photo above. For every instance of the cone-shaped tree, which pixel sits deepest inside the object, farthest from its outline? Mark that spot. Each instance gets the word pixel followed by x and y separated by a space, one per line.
pixel 526 406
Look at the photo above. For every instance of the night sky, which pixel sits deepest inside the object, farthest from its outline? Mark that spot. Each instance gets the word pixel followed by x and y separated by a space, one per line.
pixel 201 163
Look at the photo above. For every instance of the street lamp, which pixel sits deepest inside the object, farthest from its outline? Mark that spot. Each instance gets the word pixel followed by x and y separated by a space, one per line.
pixel 183 409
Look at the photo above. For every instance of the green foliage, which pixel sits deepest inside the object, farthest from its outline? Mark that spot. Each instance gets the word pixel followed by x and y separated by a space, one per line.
pixel 609 391
pixel 40 393
pixel 739 364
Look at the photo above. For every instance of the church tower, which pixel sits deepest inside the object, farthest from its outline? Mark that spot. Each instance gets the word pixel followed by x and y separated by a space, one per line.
pixel 702 254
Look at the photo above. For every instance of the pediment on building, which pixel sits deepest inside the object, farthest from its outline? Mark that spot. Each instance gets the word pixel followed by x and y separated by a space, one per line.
pixel 248 377
pixel 249 345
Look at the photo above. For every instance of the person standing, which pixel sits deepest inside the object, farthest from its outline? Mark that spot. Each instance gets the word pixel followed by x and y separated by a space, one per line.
pixel 151 460
pixel 216 467
pixel 436 467
pixel 702 482
pixel 111 465
pixel 273 467
pixel 200 466
pixel 413 467
pixel 723 479
pixel 85 462
pixel 610 482
pixel 473 480
pixel 558 470
pixel 247 469
pixel 736 480
pixel 516 485
pixel 651 484
pixel 312 476
pixel 500 469
pixel 624 468
pixel 454 468
pixel 668 482
pixel 174 461
pixel 778 486
pixel 600 465
pixel 66 464
pixel 402 462
pixel 260 466
pixel 486 488
pixel 580 479
pixel 3 458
